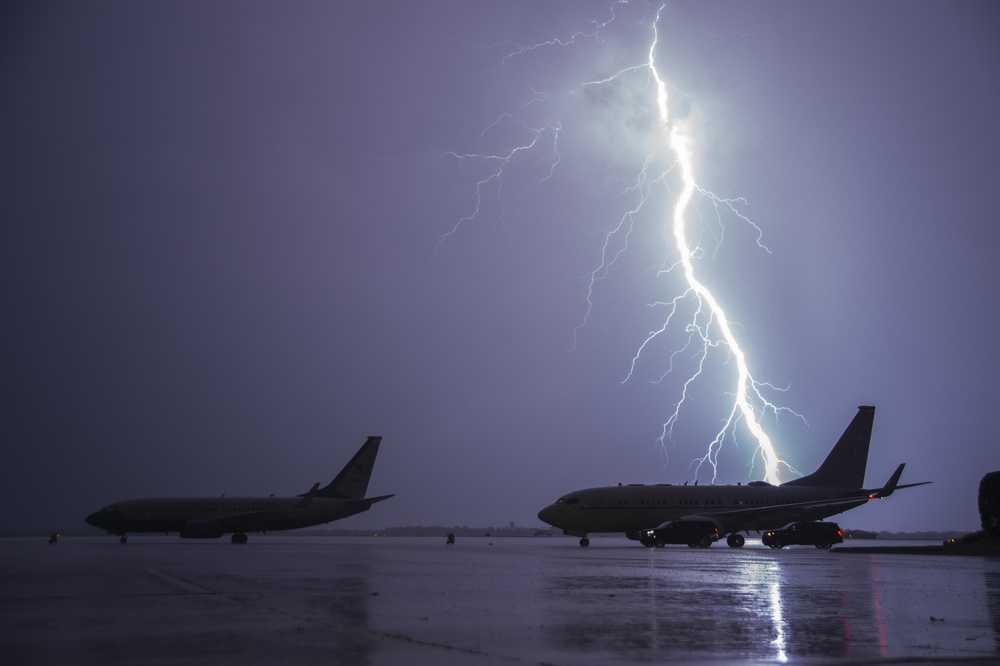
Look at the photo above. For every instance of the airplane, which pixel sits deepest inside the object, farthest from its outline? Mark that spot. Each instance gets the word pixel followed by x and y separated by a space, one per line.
pixel 833 488
pixel 211 517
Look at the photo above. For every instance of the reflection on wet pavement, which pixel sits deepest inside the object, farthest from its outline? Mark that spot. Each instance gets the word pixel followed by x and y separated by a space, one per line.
pixel 755 605
pixel 379 601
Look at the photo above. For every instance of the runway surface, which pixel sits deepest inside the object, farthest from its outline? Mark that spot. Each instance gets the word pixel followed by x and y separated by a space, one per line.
pixel 340 600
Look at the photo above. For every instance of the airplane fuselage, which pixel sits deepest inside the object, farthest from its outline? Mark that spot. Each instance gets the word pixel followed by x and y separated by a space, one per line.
pixel 630 508
pixel 174 514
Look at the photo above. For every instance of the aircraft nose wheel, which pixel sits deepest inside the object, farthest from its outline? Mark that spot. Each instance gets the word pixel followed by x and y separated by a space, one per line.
pixel 239 537
pixel 584 542
pixel 735 540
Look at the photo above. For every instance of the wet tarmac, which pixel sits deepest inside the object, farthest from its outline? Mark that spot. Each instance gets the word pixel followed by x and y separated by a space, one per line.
pixel 293 599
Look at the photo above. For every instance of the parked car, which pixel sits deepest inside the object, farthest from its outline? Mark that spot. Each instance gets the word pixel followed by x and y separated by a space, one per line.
pixel 821 535
pixel 697 533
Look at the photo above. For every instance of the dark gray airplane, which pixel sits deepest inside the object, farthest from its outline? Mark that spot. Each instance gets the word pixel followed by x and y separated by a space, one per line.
pixel 833 488
pixel 211 517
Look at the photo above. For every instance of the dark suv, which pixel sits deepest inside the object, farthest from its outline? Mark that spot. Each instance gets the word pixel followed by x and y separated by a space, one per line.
pixel 821 535
pixel 694 532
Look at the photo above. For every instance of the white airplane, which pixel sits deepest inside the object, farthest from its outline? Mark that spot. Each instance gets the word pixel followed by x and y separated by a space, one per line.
pixel 211 517
pixel 833 488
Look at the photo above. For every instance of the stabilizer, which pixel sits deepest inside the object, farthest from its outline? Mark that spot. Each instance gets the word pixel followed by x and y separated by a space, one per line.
pixel 893 484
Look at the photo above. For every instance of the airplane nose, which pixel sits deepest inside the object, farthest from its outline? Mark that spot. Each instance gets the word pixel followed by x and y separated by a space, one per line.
pixel 95 519
pixel 549 515
pixel 106 519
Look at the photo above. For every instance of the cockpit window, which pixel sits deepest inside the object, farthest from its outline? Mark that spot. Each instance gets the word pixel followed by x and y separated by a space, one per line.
pixel 567 500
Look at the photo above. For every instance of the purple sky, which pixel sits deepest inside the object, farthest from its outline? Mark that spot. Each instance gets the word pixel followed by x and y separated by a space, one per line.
pixel 226 251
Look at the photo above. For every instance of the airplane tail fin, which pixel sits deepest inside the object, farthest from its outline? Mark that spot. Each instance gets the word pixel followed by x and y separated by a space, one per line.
pixel 352 482
pixel 845 466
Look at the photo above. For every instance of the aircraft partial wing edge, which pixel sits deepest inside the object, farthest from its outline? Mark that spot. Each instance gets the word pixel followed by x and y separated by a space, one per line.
pixel 309 496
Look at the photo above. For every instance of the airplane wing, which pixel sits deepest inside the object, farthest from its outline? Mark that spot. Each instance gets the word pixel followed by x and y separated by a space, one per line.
pixel 252 521
pixel 767 517
pixel 257 521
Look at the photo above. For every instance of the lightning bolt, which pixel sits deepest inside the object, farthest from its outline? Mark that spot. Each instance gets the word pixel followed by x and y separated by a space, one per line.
pixel 708 330
pixel 749 403
pixel 500 161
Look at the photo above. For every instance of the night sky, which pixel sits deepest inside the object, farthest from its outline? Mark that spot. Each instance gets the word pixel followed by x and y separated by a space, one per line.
pixel 239 237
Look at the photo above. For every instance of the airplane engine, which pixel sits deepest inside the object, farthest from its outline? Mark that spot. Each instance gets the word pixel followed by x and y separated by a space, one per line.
pixel 201 529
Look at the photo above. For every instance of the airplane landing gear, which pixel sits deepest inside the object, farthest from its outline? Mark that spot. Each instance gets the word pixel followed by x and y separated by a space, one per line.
pixel 239 537
pixel 124 539
pixel 584 542
pixel 735 540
